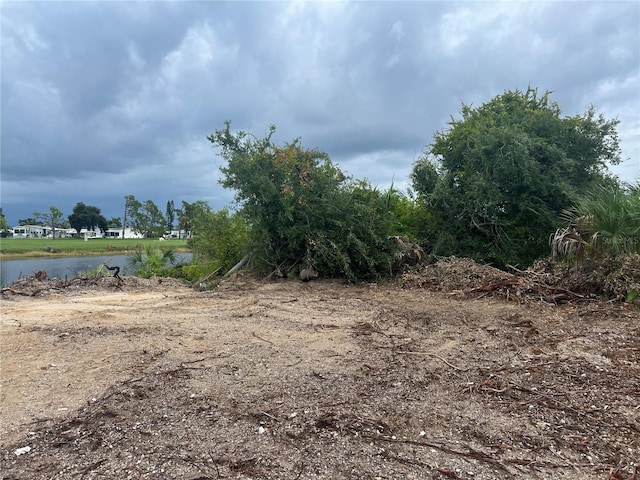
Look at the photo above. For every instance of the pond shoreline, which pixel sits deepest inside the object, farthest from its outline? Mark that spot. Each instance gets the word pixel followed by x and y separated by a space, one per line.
pixel 25 248
pixel 72 253
pixel 61 265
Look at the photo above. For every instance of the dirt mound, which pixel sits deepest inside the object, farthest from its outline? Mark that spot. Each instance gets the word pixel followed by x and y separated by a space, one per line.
pixel 39 285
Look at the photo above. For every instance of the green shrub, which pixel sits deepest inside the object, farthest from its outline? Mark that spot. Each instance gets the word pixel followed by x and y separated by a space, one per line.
pixel 152 261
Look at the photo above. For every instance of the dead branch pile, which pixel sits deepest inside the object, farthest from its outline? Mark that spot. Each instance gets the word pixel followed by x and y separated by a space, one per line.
pixel 546 280
pixel 452 273
pixel 609 277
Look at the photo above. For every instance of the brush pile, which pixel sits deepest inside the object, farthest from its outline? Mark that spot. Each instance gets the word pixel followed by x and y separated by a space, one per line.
pixel 547 280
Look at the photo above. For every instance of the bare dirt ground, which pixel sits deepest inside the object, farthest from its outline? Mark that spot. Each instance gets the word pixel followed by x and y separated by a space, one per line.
pixel 289 380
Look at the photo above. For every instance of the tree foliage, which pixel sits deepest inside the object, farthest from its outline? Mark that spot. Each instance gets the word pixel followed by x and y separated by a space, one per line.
pixel 189 214
pixel 144 217
pixel 4 226
pixel 170 215
pixel 30 221
pixel 497 179
pixel 87 216
pixel 221 241
pixel 52 218
pixel 302 211
pixel 131 208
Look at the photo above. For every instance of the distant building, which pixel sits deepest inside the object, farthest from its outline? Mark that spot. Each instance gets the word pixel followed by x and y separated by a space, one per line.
pixel 41 231
pixel 117 233
pixel 177 234
pixel 111 233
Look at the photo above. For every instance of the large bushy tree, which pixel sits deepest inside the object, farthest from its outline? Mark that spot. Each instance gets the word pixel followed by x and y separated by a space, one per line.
pixel 301 210
pixel 497 179
pixel 87 216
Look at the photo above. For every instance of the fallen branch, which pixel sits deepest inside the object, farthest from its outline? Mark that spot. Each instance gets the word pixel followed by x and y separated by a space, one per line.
pixel 555 294
pixel 207 277
pixel 18 292
pixel 115 274
pixel 552 289
pixel 237 266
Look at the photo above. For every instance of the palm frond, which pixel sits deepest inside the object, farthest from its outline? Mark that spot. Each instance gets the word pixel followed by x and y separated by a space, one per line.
pixel 608 218
pixel 567 242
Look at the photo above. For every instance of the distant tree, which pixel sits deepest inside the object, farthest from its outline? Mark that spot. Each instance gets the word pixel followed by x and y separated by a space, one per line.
pixel 144 217
pixel 131 209
pixel 412 221
pixel 184 220
pixel 497 180
pixel 4 226
pixel 29 221
pixel 189 214
pixel 51 218
pixel 157 221
pixel 114 222
pixel 170 215
pixel 87 216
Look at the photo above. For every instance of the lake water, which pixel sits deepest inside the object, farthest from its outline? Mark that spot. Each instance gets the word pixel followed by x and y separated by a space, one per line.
pixel 66 267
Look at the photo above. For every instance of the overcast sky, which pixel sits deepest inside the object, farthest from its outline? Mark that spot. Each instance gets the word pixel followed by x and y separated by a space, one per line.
pixel 106 99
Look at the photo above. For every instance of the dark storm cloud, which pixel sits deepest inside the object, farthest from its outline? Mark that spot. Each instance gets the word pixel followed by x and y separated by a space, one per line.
pixel 105 99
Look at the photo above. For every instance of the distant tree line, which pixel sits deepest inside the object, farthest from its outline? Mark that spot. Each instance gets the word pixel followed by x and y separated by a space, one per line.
pixel 144 218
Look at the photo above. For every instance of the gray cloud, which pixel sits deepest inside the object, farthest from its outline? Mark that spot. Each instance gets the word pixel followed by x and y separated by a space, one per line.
pixel 105 99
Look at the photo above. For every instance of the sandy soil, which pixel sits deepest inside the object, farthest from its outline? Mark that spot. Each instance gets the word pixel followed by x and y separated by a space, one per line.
pixel 289 380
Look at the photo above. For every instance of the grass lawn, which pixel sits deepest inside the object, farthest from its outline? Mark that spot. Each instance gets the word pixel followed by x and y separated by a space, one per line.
pixel 71 247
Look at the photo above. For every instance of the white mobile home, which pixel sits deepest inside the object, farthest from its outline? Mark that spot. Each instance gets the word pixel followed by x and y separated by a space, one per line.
pixel 41 231
pixel 118 233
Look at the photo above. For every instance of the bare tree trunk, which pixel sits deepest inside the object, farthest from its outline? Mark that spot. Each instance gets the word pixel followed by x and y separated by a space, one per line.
pixel 124 221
